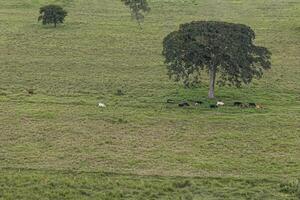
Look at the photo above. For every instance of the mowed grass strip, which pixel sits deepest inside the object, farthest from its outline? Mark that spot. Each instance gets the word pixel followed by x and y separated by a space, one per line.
pixel 98 51
pixel 32 184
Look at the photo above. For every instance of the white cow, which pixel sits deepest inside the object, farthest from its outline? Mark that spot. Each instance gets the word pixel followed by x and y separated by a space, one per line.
pixel 220 103
pixel 101 105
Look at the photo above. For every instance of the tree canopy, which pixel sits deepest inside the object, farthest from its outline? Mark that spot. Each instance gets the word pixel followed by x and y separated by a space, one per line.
pixel 225 50
pixel 52 14
pixel 138 8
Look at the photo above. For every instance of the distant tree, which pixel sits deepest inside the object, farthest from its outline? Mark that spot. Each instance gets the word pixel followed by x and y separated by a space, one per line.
pixel 138 8
pixel 52 14
pixel 224 50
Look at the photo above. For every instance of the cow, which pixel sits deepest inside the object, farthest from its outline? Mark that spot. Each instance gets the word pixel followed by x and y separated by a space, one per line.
pixel 220 103
pixel 252 105
pixel 243 105
pixel 30 91
pixel 213 106
pixel 170 101
pixel 183 104
pixel 259 106
pixel 198 103
pixel 101 105
pixel 237 103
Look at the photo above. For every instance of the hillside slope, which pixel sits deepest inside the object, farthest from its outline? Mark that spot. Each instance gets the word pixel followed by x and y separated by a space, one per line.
pixel 59 140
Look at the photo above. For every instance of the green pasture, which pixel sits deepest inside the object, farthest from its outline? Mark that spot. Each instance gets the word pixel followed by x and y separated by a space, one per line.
pixel 58 144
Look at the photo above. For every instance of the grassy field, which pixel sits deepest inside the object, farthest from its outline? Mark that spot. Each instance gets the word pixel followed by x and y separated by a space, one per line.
pixel 57 144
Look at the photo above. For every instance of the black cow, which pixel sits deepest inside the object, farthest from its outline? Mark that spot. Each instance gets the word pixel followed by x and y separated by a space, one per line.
pixel 183 104
pixel 237 103
pixel 252 105
pixel 213 106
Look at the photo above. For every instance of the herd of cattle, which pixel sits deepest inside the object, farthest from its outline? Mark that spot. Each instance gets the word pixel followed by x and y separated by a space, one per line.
pixel 216 105
pixel 187 104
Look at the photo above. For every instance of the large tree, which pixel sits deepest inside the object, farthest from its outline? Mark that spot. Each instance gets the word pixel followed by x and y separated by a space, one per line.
pixel 226 51
pixel 52 14
pixel 138 8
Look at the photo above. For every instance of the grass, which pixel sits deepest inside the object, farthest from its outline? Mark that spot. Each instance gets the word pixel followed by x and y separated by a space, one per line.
pixel 57 144
pixel 77 185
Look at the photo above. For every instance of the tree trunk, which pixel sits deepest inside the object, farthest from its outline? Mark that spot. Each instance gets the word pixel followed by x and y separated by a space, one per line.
pixel 212 80
pixel 54 24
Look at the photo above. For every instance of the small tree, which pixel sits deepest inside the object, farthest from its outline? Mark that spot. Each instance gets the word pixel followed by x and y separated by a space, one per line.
pixel 52 14
pixel 137 8
pixel 225 50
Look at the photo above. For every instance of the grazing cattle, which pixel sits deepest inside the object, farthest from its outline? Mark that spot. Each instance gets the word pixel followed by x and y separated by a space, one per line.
pixel 220 103
pixel 244 105
pixel 198 103
pixel 237 103
pixel 183 104
pixel 170 101
pixel 258 106
pixel 30 91
pixel 252 105
pixel 213 106
pixel 120 92
pixel 101 105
